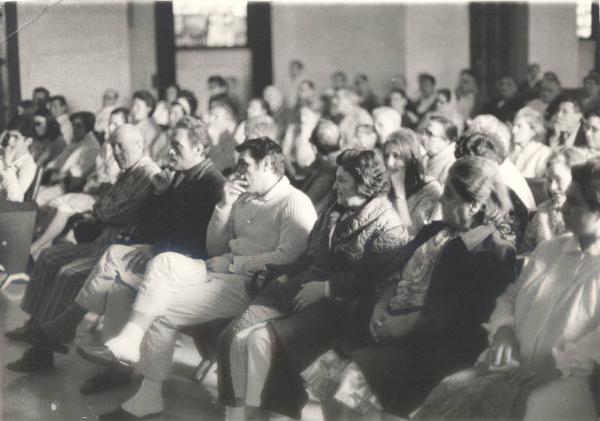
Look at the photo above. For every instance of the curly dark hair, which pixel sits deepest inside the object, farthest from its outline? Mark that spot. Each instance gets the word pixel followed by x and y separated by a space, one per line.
pixel 587 176
pixel 197 130
pixel 486 145
pixel 367 170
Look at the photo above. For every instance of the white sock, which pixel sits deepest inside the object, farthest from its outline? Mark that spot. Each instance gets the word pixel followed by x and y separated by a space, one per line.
pixel 234 413
pixel 148 399
pixel 126 345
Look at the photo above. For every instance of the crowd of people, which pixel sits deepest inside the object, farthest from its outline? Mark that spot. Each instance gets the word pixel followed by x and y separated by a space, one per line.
pixel 431 257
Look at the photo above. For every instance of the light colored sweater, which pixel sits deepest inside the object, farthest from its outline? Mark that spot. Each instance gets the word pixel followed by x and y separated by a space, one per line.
pixel 260 230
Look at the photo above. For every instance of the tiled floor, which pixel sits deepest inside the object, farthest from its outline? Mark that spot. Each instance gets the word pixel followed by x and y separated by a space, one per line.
pixel 55 396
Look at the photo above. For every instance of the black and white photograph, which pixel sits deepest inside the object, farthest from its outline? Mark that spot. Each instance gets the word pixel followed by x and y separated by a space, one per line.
pixel 312 210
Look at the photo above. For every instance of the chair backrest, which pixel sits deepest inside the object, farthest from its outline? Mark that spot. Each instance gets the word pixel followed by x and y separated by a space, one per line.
pixel 34 188
pixel 17 221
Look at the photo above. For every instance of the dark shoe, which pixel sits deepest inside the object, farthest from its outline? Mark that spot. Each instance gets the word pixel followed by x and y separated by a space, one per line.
pixel 104 381
pixel 120 414
pixel 102 355
pixel 17 334
pixel 34 360
pixel 38 339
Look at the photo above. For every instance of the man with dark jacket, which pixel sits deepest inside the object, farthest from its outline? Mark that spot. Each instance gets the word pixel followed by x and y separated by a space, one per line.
pixel 176 220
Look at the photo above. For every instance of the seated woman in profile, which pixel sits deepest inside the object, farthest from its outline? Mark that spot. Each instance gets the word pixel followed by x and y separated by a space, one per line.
pixel 545 330
pixel 441 287
pixel 415 197
pixel 548 220
pixel 321 296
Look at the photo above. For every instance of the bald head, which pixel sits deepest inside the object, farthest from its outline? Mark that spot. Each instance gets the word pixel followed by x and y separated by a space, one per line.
pixel 128 145
pixel 386 121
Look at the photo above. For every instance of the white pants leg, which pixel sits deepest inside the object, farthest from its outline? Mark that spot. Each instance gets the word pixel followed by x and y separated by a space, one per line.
pixel 110 270
pixel 259 362
pixel 563 399
pixel 186 297
pixel 238 360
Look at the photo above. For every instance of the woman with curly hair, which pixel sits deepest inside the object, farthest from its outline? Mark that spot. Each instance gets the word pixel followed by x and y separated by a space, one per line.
pixel 427 322
pixel 326 294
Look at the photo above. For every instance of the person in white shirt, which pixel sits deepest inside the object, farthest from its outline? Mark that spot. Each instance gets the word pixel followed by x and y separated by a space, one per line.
pixel 17 167
pixel 546 323
pixel 109 103
pixel 530 154
pixel 58 108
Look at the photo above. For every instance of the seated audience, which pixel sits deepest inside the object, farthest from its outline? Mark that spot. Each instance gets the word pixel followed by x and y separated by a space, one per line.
pixel 221 129
pixel 529 89
pixel 592 133
pixel 47 143
pixel 162 111
pixel 530 153
pixel 58 109
pixel 467 94
pixel 551 96
pixel 326 139
pixel 415 197
pixel 398 100
pixel 257 107
pixel 507 103
pixel 17 167
pixel 548 222
pixel 109 103
pixel 177 110
pixel 104 175
pixel 487 145
pixel 569 129
pixel 191 100
pixel 366 97
pixel 142 107
pixel 488 124
pixel 348 115
pixel 426 322
pixel 26 108
pixel 60 270
pixel 446 106
pixel 298 153
pixel 426 100
pixel 322 296
pixel 218 92
pixel 438 138
pixel 591 98
pixel 263 126
pixel 366 138
pixel 40 97
pixel 69 170
pixel 175 219
pixel 544 331
pixel 278 109
pixel 261 220
pixel 386 121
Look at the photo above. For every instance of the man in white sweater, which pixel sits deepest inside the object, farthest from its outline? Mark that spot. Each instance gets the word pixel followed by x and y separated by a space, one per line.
pixel 261 220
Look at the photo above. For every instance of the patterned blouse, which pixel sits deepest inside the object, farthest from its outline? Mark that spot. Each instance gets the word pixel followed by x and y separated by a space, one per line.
pixel 413 281
pixel 547 223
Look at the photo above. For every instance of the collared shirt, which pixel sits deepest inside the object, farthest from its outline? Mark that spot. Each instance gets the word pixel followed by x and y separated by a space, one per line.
pixel 258 230
pixel 515 181
pixel 555 303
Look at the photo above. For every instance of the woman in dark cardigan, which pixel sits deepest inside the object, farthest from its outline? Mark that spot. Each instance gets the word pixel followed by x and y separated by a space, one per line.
pixel 442 287
pixel 322 294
